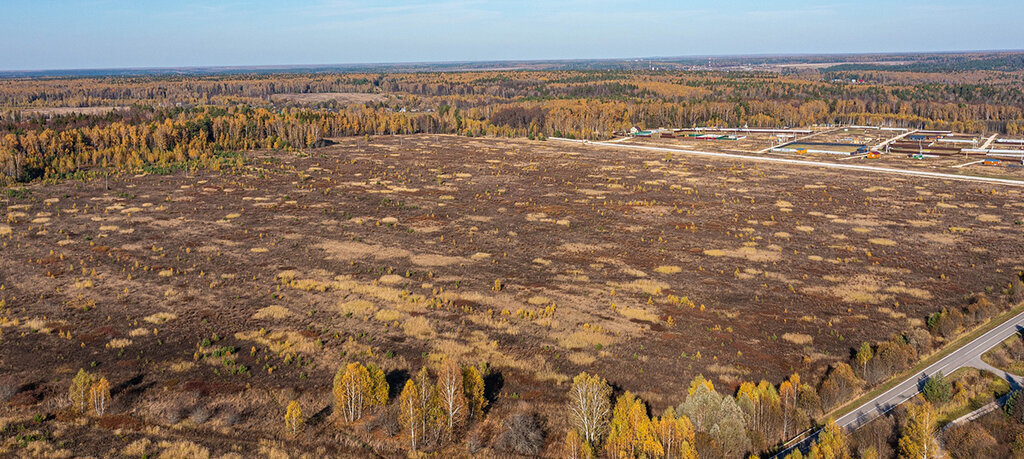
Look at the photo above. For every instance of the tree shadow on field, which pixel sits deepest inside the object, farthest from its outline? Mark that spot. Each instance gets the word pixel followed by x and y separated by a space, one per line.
pixel 396 381
pixel 131 390
pixel 320 416
pixel 493 383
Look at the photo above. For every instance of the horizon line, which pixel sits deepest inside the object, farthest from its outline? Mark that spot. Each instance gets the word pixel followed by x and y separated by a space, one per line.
pixel 169 68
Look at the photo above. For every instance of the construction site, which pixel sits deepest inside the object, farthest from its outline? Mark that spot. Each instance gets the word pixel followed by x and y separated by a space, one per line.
pixel 913 148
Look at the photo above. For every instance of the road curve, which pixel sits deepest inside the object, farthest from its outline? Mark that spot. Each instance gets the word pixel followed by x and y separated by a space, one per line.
pixel 967 356
pixel 769 159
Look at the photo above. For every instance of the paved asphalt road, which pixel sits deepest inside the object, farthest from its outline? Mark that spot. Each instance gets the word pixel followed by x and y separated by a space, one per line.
pixel 773 159
pixel 967 356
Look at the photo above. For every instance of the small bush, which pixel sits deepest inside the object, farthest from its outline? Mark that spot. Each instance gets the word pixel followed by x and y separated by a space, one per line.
pixel 521 434
pixel 199 415
pixel 8 388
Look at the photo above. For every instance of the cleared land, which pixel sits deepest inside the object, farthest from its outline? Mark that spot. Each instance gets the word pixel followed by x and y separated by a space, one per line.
pixel 643 268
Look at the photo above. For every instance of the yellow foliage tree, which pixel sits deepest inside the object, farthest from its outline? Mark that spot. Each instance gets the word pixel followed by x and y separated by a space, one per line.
pixel 79 391
pixel 293 418
pixel 452 396
pixel 589 406
pixel 378 385
pixel 630 433
pixel 675 434
pixel 100 395
pixel 410 412
pixel 473 388
pixel 698 381
pixel 352 391
pixel 576 447
pixel 832 442
pixel 917 440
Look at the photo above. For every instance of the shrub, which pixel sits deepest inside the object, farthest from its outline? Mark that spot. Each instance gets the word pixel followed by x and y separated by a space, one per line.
pixel 199 415
pixel 970 440
pixel 520 434
pixel 7 389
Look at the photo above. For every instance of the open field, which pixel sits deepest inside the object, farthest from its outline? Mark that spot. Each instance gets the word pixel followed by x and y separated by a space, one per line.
pixel 541 259
pixel 61 111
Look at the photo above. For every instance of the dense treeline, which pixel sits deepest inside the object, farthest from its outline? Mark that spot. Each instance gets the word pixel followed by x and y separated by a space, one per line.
pixel 167 119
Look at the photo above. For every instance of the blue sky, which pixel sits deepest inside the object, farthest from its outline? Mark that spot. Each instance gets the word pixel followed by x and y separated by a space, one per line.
pixel 67 34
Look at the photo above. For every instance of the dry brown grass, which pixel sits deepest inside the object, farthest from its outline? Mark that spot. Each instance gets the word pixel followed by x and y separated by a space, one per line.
pixel 746 253
pixel 638 314
pixel 160 317
pixel 272 312
pixel 585 339
pixel 388 315
pixel 419 327
pixel 650 287
pixel 358 308
pixel 798 338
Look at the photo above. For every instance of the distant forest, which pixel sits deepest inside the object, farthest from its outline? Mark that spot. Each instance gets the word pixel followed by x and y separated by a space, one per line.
pixel 177 118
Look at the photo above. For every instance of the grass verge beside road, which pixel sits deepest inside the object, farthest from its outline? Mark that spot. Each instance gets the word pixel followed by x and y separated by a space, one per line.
pixel 942 352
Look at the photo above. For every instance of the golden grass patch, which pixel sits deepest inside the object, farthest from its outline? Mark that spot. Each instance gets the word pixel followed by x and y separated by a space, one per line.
pixel 862 289
pixel 782 235
pixel 391 279
pixel 638 314
pixel 805 228
pixel 119 343
pixel 160 317
pixel 138 332
pixel 259 250
pixel 989 218
pixel 431 260
pixel 538 300
pixel 882 241
pixel 358 308
pixel 419 327
pixel 798 338
pixel 650 287
pixel 585 339
pixel 166 273
pixel 388 315
pixel 668 269
pixel 272 312
pixel 280 341
pixel 911 291
pixel 747 253
pixel 6 230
